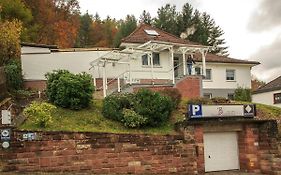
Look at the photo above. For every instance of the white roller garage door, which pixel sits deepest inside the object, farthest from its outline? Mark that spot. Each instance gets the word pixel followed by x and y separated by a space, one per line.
pixel 221 151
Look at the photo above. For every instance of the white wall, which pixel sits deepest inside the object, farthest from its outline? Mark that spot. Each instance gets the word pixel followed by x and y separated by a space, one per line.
pixel 265 98
pixel 33 50
pixel 218 81
pixel 35 66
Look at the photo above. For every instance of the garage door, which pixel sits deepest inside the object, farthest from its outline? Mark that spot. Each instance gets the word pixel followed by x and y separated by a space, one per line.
pixel 221 151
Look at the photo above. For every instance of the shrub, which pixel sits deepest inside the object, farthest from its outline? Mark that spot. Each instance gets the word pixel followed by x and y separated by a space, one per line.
pixel 132 120
pixel 14 75
pixel 174 94
pixel 220 100
pixel 153 106
pixel 114 104
pixel 242 94
pixel 199 101
pixel 40 113
pixel 69 90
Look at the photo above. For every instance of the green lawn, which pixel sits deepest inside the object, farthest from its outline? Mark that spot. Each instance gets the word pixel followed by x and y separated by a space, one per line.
pixel 91 120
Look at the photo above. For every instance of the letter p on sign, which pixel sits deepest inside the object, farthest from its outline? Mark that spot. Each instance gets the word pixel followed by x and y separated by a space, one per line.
pixel 196 111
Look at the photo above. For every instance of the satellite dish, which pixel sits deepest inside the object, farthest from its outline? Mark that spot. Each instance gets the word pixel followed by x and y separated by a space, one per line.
pixel 5 145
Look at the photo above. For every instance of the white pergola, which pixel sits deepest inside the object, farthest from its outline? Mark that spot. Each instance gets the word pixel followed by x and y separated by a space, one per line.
pixel 117 57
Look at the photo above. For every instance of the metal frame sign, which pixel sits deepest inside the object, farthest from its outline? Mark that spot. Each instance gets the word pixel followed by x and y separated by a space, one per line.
pixel 212 111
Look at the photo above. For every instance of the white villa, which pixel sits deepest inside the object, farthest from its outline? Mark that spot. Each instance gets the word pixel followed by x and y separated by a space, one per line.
pixel 150 58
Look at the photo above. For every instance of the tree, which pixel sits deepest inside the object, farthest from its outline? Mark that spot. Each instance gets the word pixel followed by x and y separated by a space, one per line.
pixel 125 28
pixel 256 83
pixel 10 41
pixel 55 22
pixel 83 38
pixel 145 18
pixel 167 19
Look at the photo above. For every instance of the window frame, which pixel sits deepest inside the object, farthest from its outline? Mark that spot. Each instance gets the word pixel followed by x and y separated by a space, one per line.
pixel 156 63
pixel 210 95
pixel 277 101
pixel 205 77
pixel 234 74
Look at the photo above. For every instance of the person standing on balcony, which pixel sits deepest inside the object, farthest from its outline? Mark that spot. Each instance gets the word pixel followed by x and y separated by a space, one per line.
pixel 190 62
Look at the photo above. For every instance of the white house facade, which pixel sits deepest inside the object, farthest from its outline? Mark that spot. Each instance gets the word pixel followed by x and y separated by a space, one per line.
pixel 269 94
pixel 151 57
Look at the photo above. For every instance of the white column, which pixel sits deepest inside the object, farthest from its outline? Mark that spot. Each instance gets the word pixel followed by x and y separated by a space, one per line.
pixel 184 63
pixel 130 72
pixel 118 84
pixel 203 62
pixel 95 83
pixel 172 63
pixel 150 56
pixel 104 81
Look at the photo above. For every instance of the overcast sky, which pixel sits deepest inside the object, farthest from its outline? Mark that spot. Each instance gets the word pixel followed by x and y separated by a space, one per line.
pixel 252 27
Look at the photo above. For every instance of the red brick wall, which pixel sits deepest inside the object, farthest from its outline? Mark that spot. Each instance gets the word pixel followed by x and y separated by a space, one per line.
pixel 153 88
pixel 100 153
pixel 35 85
pixel 190 87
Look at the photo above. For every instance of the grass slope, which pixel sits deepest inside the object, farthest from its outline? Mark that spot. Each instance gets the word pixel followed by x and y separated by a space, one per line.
pixel 91 120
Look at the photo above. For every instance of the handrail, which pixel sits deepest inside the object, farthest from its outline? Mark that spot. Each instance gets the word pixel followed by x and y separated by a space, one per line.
pixel 115 78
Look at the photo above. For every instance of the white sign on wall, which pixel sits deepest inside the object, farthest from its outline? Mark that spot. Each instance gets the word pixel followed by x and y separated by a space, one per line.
pixel 208 111
pixel 6 117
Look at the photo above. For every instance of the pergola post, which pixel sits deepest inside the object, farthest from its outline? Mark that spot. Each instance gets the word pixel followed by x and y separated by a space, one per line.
pixel 150 56
pixel 203 62
pixel 172 63
pixel 104 81
pixel 184 63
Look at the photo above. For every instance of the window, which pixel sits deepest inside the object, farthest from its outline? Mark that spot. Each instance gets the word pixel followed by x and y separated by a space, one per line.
pixel 146 61
pixel 277 98
pixel 156 59
pixel 230 96
pixel 207 95
pixel 230 75
pixel 151 32
pixel 197 71
pixel 208 74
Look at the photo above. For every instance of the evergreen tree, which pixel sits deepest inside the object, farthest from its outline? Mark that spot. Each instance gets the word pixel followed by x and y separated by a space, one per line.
pixel 167 19
pixel 125 28
pixel 83 38
pixel 145 18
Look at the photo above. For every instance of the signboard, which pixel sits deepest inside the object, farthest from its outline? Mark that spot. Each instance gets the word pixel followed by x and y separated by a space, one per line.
pixel 209 111
pixel 6 117
pixel 5 134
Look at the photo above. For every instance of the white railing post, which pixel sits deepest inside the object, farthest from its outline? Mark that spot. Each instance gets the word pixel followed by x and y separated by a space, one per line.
pixel 118 84
pixel 95 82
pixel 104 82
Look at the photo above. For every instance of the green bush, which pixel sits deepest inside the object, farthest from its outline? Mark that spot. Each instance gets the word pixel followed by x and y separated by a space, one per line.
pixel 174 94
pixel 242 94
pixel 68 90
pixel 145 104
pixel 132 120
pixel 114 104
pixel 199 100
pixel 153 106
pixel 220 100
pixel 40 113
pixel 14 75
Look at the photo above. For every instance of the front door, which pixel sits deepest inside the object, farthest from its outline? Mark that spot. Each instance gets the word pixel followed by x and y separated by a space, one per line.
pixel 221 151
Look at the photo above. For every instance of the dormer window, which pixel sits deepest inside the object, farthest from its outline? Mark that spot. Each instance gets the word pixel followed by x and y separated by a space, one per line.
pixel 151 32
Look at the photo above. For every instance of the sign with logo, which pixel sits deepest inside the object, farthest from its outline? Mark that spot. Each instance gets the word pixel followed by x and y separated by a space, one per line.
pixel 5 134
pixel 208 111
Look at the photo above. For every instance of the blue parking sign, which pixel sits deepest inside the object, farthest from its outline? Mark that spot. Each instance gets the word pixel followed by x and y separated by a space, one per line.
pixel 195 111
